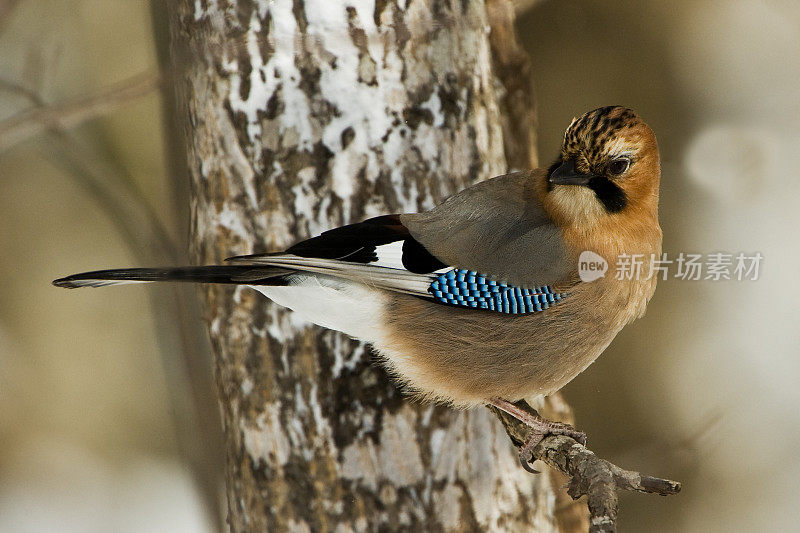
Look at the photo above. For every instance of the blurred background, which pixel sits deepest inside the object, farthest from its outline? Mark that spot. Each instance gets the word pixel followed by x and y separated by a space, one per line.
pixel 703 389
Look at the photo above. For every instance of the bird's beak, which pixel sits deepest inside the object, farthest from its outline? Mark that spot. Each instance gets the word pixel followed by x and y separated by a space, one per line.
pixel 566 174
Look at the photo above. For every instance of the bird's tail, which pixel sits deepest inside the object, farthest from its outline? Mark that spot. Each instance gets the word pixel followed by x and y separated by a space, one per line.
pixel 238 274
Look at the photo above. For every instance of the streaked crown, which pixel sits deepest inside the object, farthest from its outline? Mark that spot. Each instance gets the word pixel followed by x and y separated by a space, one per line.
pixel 597 134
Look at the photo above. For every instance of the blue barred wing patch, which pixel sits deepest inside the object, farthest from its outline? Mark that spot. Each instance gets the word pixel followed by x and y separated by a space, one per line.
pixel 468 288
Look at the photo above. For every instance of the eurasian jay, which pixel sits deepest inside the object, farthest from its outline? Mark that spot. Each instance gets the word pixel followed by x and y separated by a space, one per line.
pixel 479 300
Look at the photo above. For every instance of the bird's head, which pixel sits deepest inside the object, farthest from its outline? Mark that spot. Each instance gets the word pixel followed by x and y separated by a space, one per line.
pixel 608 170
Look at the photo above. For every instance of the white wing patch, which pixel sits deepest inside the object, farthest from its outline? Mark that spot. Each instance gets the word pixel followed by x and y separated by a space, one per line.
pixel 390 255
pixel 333 303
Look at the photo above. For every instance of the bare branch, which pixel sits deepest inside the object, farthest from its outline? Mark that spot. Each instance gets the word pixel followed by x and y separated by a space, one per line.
pixel 20 90
pixel 6 8
pixel 68 114
pixel 590 476
pixel 183 353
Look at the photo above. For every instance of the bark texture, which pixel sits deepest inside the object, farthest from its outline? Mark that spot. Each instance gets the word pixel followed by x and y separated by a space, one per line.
pixel 308 114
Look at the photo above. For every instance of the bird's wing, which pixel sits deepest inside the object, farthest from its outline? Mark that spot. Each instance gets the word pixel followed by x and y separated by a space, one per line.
pixel 478 249
pixel 379 252
pixel 497 227
pixel 379 241
pixel 449 286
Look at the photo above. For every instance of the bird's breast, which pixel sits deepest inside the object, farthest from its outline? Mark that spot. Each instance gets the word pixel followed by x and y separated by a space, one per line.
pixel 465 356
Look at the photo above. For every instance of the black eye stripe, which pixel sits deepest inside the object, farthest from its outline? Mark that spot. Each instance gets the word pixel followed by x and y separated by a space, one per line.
pixel 609 193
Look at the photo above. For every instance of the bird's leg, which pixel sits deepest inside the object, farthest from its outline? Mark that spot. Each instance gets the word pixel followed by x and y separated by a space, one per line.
pixel 540 428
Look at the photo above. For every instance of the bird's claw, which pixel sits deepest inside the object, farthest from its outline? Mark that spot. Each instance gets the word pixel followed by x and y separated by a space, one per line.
pixel 537 435
pixel 526 451
pixel 569 431
pixel 538 427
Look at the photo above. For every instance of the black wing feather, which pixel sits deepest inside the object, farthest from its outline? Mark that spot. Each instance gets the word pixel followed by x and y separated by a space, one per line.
pixel 356 243
pixel 417 259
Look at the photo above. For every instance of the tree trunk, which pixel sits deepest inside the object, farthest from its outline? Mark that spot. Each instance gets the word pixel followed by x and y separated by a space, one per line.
pixel 303 116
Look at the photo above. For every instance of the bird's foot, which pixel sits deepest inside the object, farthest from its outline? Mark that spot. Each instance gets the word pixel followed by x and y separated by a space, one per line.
pixel 540 428
pixel 544 428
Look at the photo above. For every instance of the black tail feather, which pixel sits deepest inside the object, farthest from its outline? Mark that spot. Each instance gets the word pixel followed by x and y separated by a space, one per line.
pixel 238 274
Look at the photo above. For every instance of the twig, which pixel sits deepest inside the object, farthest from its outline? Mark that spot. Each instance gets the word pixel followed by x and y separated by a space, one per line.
pixel 590 476
pixel 183 353
pixel 115 193
pixel 73 112
pixel 6 8
pixel 20 90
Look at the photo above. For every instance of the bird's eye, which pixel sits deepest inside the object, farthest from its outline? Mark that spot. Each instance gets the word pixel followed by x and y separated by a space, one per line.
pixel 619 166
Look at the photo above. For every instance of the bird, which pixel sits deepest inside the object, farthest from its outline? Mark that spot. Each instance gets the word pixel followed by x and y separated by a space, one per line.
pixel 480 300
